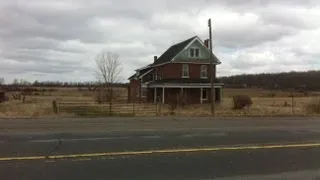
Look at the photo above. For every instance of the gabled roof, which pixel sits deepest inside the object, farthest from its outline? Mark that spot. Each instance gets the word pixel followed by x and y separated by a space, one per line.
pixel 173 51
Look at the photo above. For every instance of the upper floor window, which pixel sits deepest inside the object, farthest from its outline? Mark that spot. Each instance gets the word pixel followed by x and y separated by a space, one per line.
pixel 204 71
pixel 185 70
pixel 194 52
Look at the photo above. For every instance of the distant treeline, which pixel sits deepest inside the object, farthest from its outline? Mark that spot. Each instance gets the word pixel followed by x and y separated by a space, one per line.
pixel 62 84
pixel 73 84
pixel 50 86
pixel 309 80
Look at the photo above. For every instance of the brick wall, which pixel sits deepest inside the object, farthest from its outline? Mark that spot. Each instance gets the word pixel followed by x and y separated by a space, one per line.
pixel 174 70
pixel 133 88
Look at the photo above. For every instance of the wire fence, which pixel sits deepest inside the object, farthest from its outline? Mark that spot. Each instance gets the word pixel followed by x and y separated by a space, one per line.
pixel 87 108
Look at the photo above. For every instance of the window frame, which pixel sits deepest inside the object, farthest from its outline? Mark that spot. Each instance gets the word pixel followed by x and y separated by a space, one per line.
pixel 187 70
pixel 192 52
pixel 195 53
pixel 202 70
pixel 206 93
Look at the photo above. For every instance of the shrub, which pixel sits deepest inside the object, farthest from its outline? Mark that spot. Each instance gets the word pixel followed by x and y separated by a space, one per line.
pixel 241 101
pixel 313 106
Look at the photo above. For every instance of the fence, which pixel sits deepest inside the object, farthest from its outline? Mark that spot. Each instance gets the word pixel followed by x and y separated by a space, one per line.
pixel 80 108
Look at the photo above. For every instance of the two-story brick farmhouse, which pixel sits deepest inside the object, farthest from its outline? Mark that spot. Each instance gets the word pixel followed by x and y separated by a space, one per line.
pixel 182 71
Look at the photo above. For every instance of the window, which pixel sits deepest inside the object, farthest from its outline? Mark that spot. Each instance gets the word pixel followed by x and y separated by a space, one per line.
pixel 143 92
pixel 185 70
pixel 204 93
pixel 194 52
pixel 197 53
pixel 191 52
pixel 203 71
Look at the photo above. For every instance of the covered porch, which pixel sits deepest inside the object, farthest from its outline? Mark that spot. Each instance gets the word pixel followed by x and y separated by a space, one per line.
pixel 188 93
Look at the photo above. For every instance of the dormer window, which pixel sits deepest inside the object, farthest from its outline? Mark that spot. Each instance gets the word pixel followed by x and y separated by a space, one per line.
pixel 194 52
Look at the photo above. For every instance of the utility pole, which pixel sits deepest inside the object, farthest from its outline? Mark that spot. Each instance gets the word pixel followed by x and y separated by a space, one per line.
pixel 212 72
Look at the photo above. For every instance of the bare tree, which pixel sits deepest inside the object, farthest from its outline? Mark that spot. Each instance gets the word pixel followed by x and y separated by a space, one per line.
pixel 15 81
pixel 108 72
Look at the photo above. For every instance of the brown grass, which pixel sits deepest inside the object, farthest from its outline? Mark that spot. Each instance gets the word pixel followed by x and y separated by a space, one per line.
pixel 260 107
pixel 263 104
pixel 13 109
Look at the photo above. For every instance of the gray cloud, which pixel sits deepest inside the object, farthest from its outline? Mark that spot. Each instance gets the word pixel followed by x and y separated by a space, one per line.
pixel 58 39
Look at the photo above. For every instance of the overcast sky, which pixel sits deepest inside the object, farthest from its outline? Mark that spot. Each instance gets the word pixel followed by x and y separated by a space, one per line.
pixel 58 39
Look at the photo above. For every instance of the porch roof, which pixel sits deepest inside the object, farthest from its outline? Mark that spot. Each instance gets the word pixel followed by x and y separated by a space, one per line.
pixel 182 85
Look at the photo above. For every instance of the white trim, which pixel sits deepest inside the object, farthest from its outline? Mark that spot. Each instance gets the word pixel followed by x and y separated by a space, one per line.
pixel 206 70
pixel 163 95
pixel 196 38
pixel 144 85
pixel 186 47
pixel 183 76
pixel 200 41
pixel 194 52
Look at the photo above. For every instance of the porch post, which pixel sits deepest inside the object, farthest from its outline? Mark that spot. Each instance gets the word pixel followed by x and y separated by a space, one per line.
pixel 162 95
pixel 155 95
pixel 201 89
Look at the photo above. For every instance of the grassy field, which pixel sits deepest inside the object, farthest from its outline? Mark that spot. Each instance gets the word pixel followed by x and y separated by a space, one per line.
pixel 265 103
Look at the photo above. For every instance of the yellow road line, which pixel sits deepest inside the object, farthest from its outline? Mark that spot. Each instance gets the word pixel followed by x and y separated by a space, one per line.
pixel 161 151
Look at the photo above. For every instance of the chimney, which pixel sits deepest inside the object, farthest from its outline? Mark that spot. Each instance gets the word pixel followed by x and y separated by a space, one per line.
pixel 155 58
pixel 206 43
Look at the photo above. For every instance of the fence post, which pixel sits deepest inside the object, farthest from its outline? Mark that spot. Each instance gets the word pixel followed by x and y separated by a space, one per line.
pixel 55 107
pixel 110 108
pixel 58 107
pixel 292 104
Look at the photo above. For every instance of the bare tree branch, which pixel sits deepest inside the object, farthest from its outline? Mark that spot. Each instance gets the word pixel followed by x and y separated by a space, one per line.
pixel 108 67
pixel 108 72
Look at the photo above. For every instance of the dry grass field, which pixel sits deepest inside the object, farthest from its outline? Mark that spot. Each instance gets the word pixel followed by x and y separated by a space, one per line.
pixel 265 103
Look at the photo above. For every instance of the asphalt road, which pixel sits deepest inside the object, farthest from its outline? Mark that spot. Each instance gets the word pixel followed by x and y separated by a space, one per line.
pixel 160 148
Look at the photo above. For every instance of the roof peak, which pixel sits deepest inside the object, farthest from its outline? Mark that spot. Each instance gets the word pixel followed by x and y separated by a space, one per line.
pixel 186 40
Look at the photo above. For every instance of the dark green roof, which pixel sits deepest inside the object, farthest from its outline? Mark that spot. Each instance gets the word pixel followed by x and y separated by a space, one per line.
pixel 169 54
pixel 173 51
